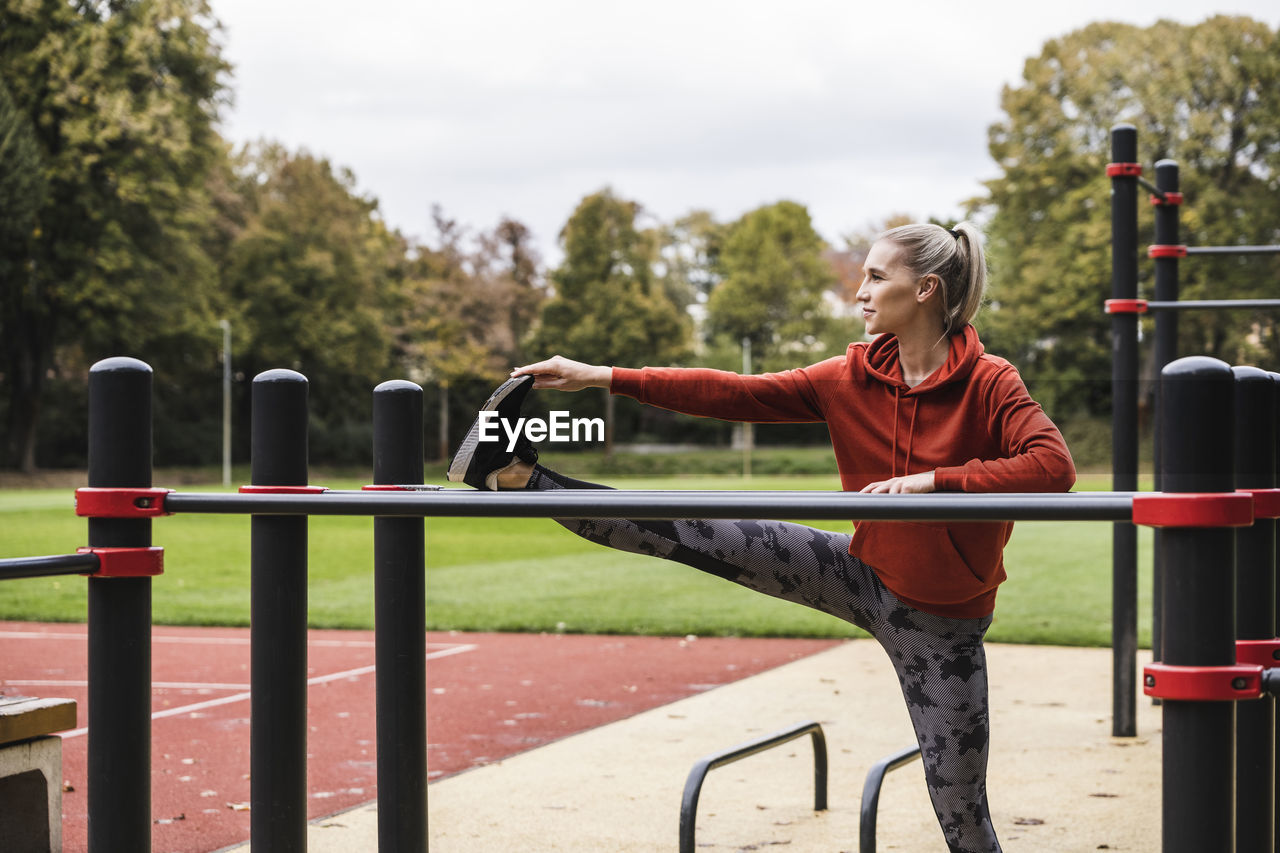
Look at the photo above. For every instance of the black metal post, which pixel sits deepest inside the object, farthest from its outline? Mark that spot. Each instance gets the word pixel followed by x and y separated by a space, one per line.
pixel 278 613
pixel 1255 465
pixel 1166 350
pixel 119 616
pixel 400 619
pixel 1124 434
pixel 1199 609
pixel 1275 717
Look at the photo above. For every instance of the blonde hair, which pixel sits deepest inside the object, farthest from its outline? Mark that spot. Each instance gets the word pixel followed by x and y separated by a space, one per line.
pixel 955 256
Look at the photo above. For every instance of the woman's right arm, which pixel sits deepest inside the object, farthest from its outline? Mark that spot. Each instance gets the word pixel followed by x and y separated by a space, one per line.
pixel 788 397
pixel 565 374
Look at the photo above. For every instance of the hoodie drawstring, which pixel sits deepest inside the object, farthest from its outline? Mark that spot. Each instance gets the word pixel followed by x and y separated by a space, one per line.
pixel 911 432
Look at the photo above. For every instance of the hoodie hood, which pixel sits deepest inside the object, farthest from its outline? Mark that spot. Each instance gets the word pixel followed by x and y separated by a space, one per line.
pixel 880 362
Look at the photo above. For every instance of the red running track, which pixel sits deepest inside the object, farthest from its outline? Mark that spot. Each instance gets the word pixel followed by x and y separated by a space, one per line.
pixel 489 697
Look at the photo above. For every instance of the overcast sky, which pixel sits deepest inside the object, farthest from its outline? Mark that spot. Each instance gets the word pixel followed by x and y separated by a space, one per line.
pixel 501 107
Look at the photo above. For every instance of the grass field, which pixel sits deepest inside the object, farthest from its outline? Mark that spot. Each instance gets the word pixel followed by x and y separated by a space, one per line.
pixel 532 575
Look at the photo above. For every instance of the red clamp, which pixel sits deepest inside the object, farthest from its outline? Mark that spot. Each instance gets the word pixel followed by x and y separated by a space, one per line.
pixel 121 503
pixel 283 490
pixel 1263 653
pixel 127 562
pixel 1167 199
pixel 1169 251
pixel 1193 509
pixel 1202 683
pixel 1124 170
pixel 1125 306
pixel 1266 502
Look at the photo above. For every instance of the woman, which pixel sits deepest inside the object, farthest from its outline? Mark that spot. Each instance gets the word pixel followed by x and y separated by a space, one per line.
pixel 920 408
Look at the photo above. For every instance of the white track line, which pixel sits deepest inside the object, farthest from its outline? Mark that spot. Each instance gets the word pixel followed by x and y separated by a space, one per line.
pixel 163 638
pixel 240 697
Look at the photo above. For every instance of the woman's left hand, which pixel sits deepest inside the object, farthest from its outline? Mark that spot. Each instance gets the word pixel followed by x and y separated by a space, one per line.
pixel 910 484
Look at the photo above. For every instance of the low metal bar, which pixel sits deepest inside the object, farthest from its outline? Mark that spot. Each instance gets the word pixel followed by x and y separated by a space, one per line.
pixel 693 784
pixel 590 503
pixel 41 567
pixel 1233 250
pixel 871 795
pixel 1212 304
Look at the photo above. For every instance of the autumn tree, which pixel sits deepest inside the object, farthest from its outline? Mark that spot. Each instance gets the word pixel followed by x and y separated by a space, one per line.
pixel 308 280
pixel 606 307
pixel 774 289
pixel 120 100
pixel 1206 95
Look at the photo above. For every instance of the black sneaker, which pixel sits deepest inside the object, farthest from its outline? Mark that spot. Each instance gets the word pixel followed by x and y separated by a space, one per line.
pixel 477 462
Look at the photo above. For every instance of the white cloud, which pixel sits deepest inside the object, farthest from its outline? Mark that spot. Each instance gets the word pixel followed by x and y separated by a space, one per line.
pixel 496 107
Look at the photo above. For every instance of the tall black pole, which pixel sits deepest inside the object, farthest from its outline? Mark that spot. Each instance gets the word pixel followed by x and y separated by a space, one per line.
pixel 278 725
pixel 119 617
pixel 1165 351
pixel 1199 609
pixel 1124 432
pixel 400 617
pixel 1255 465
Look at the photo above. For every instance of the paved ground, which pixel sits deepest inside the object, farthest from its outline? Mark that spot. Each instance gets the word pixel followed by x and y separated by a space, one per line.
pixel 1058 780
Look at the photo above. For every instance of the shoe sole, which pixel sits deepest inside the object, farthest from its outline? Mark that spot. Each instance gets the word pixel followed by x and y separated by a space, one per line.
pixel 466 452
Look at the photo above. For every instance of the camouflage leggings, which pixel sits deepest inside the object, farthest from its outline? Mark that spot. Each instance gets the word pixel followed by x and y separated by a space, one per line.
pixel 940 662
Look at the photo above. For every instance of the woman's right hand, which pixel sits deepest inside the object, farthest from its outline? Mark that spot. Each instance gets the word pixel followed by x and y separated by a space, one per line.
pixel 565 374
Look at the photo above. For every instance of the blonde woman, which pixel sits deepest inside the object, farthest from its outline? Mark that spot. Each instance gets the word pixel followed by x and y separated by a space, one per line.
pixel 920 408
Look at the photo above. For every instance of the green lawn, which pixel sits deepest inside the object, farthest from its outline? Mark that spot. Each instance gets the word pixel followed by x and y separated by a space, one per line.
pixel 532 575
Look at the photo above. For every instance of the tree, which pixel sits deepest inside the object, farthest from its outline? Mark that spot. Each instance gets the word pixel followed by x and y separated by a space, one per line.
pixel 121 99
pixel 606 307
pixel 309 279
pixel 774 287
pixel 1207 96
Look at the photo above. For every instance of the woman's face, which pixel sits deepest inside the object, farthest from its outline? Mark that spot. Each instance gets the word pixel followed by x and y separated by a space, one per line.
pixel 890 294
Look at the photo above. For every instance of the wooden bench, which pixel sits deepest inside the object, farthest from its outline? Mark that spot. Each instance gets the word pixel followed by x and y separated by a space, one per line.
pixel 31 772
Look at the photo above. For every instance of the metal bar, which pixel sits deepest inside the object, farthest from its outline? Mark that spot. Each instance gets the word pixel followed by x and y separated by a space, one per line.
pixel 278 617
pixel 400 622
pixel 41 567
pixel 1212 304
pixel 1233 250
pixel 693 784
pixel 1124 435
pixel 1165 350
pixel 119 631
pixel 1255 467
pixel 1199 608
pixel 871 795
pixel 589 503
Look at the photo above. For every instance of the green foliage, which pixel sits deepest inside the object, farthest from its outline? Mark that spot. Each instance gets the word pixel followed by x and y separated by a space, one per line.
pixel 122 99
pixel 606 308
pixel 1207 96
pixel 772 292
pixel 307 276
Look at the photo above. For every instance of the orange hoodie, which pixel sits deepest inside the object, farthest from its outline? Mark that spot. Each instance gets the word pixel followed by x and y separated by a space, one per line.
pixel 971 422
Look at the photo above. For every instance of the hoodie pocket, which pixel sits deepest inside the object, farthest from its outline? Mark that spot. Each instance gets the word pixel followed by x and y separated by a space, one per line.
pixel 938 563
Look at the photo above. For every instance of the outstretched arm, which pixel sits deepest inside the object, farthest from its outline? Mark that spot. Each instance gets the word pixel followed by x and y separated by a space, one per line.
pixel 565 374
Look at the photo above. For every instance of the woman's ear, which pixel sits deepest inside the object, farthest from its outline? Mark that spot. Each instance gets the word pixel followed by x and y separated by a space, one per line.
pixel 926 287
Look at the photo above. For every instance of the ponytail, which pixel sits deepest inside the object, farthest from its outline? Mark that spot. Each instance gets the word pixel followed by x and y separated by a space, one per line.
pixel 956 257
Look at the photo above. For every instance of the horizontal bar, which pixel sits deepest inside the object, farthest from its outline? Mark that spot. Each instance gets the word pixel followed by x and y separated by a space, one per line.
pixel 40 567
pixel 1210 304
pixel 1233 250
pixel 593 503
